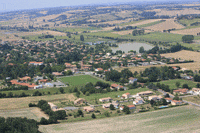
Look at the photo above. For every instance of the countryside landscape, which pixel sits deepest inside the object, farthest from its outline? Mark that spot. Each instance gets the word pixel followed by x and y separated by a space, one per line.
pixel 103 67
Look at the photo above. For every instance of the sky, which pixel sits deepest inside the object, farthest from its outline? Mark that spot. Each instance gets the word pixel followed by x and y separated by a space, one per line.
pixel 11 5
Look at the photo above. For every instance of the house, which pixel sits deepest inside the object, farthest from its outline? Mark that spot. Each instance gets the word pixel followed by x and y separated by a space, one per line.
pixel 105 99
pixel 107 105
pixel 180 91
pixel 26 78
pixel 144 93
pixel 98 69
pixel 138 101
pixel 43 81
pixel 130 107
pixel 126 95
pixel 196 90
pixel 116 86
pixel 57 74
pixel 176 102
pixel 88 109
pixel 132 80
pixel 79 101
pixel 36 63
pixel 53 106
pixel 29 85
pixel 154 97
pixel 175 68
pixel 168 99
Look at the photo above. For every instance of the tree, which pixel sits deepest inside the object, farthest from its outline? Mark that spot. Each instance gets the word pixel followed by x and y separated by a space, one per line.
pixel 61 90
pixel 126 110
pixel 44 121
pixel 93 116
pixel 177 84
pixel 164 102
pixel 107 114
pixel 112 107
pixel 185 86
pixel 61 114
pixel 188 38
pixel 81 37
pixel 141 50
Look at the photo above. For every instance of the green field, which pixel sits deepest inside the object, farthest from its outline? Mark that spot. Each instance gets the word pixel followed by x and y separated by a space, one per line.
pixel 189 21
pixel 172 83
pixel 113 95
pixel 180 119
pixel 78 80
pixel 31 113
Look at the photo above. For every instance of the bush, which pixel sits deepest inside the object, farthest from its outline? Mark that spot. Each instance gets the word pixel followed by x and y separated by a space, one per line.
pixel 93 116
pixel 32 105
pixel 44 121
pixel 87 93
pixel 107 114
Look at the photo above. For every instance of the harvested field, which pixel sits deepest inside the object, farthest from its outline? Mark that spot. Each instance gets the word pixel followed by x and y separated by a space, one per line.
pixel 193 99
pixel 192 31
pixel 168 24
pixel 55 33
pixel 179 12
pixel 135 24
pixel 31 113
pixel 19 103
pixel 180 119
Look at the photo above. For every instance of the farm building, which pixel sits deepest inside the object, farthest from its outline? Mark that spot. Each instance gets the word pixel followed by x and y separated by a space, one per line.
pixel 107 105
pixel 88 109
pixel 138 101
pixel 175 102
pixel 105 99
pixel 126 95
pixel 79 101
pixel 132 80
pixel 155 97
pixel 180 91
pixel 130 107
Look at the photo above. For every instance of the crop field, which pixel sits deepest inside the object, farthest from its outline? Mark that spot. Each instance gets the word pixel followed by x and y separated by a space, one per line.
pixel 31 113
pixel 192 31
pixel 172 83
pixel 180 119
pixel 19 103
pixel 45 32
pixel 168 24
pixel 189 21
pixel 193 99
pixel 179 12
pixel 78 80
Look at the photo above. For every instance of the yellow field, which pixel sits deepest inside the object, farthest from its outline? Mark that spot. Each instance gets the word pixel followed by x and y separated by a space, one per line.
pixel 168 24
pixel 55 33
pixel 18 103
pixel 192 31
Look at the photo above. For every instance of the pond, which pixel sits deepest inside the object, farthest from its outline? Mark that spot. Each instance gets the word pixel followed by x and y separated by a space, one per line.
pixel 135 46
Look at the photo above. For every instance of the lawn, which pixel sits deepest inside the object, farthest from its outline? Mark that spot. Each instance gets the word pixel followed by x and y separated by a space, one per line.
pixel 31 113
pixel 172 83
pixel 78 80
pixel 180 119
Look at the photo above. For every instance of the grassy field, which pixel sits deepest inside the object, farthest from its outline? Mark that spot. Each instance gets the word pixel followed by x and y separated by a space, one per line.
pixel 19 103
pixel 172 83
pixel 181 119
pixel 189 21
pixel 31 113
pixel 78 80
pixel 113 95
pixel 193 99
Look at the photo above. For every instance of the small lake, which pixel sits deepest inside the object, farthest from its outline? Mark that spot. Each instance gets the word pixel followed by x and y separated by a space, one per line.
pixel 135 46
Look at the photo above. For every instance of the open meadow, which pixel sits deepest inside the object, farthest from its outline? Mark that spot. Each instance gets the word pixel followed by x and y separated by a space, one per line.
pixel 193 99
pixel 31 113
pixel 180 119
pixel 20 103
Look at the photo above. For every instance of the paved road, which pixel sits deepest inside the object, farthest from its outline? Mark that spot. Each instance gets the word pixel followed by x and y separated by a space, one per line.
pixel 192 103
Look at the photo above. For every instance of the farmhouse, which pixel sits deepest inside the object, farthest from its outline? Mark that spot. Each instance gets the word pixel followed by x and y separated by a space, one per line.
pixel 144 93
pixel 175 102
pixel 26 78
pixel 168 99
pixel 79 101
pixel 43 81
pixel 98 69
pixel 126 95
pixel 180 91
pixel 36 63
pixel 53 106
pixel 116 86
pixel 132 80
pixel 105 99
pixel 88 109
pixel 29 85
